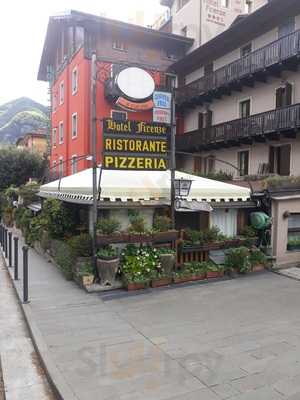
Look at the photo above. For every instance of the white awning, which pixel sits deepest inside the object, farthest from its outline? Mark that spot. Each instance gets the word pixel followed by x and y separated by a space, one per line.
pixel 137 186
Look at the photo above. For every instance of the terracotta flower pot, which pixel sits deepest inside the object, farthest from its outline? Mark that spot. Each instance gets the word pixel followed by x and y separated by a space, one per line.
pixel 107 270
pixel 87 280
pixel 213 274
pixel 183 279
pixel 199 277
pixel 258 268
pixel 136 286
pixel 159 282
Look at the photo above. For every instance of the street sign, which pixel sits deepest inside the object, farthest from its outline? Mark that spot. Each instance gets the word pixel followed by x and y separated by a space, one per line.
pixel 162 115
pixel 162 100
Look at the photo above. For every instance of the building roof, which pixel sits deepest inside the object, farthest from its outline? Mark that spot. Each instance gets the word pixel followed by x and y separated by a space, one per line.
pixel 167 3
pixel 240 32
pixel 93 21
pixel 136 186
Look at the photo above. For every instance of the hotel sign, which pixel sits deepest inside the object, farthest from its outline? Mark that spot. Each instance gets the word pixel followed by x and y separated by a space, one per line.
pixel 135 145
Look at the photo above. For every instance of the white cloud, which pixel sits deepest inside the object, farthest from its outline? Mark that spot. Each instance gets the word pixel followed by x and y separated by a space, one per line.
pixel 23 26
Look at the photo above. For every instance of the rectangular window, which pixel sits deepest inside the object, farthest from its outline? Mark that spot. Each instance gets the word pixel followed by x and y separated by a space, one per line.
pixel 225 3
pixel 280 160
pixel 249 6
pixel 61 93
pixel 61 132
pixel 61 167
pixel 198 165
pixel 119 44
pixel 245 50
pixel 284 95
pixel 53 171
pixel 54 133
pixel 245 107
pixel 74 81
pixel 243 162
pixel 74 164
pixel 54 102
pixel 74 125
pixel 119 115
pixel 294 229
pixel 287 27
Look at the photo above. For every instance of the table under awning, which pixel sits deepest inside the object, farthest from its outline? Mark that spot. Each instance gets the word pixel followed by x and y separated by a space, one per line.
pixel 143 187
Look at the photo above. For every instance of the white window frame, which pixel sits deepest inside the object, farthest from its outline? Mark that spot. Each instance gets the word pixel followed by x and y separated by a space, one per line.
pixel 225 3
pixel 75 81
pixel 61 132
pixel 61 93
pixel 74 136
pixel 239 106
pixel 54 136
pixel 74 164
pixel 249 161
pixel 116 42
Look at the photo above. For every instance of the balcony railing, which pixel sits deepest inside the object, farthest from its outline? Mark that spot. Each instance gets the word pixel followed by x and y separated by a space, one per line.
pixel 259 60
pixel 258 125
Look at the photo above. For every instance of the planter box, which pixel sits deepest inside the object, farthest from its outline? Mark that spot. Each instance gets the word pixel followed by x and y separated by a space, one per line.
pixel 103 240
pixel 200 277
pixel 182 279
pixel 136 286
pixel 159 282
pixel 214 274
pixel 164 237
pixel 107 270
pixel 139 238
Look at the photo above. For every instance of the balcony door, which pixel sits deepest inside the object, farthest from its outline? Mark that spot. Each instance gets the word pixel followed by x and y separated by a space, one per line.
pixel 284 95
pixel 280 159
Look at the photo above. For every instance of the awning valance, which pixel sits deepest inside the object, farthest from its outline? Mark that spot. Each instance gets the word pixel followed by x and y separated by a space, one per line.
pixel 138 186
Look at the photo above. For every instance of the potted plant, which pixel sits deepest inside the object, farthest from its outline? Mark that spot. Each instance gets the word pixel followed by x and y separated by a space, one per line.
pixel 213 271
pixel 162 231
pixel 293 244
pixel 167 257
pixel 108 232
pixel 258 260
pixel 237 260
pixel 136 281
pixel 183 275
pixel 86 275
pixel 160 278
pixel 137 228
pixel 199 270
pixel 107 264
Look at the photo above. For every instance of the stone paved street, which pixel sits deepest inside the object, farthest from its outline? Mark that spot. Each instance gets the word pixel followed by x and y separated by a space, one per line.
pixel 237 340
pixel 24 379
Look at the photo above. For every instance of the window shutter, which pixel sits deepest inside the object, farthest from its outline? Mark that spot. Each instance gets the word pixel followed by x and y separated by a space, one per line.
pixel 208 119
pixel 284 160
pixel 288 94
pixel 279 97
pixel 198 164
pixel 200 120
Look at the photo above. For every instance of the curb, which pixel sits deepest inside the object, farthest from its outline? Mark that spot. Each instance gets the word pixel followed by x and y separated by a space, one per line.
pixel 60 388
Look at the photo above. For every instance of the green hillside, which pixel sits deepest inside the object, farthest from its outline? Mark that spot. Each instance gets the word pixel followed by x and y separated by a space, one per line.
pixel 19 117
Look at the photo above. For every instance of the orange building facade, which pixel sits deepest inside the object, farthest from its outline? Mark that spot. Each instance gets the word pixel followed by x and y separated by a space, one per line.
pixel 66 63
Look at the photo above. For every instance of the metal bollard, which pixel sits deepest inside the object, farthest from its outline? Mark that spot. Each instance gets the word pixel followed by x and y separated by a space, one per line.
pixel 5 242
pixel 16 259
pixel 10 249
pixel 25 274
pixel 1 235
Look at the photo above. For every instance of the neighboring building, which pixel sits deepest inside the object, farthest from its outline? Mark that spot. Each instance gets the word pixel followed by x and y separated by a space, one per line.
pixel 202 20
pixel 35 142
pixel 239 99
pixel 66 61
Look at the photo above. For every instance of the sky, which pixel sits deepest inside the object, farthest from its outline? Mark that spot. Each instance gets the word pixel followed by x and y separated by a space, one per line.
pixel 23 25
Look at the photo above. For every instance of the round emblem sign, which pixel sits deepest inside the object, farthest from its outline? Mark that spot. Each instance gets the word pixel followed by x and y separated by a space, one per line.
pixel 135 83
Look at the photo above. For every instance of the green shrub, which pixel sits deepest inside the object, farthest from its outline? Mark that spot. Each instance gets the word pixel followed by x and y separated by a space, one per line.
pixel 81 245
pixel 249 232
pixel 108 226
pixel 63 256
pixel 29 192
pixel 137 224
pixel 257 257
pixel 17 215
pixel 162 223
pixel 107 252
pixel 86 269
pixel 59 219
pixel 238 260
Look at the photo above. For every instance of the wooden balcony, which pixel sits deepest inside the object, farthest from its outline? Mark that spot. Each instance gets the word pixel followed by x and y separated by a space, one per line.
pixel 270 60
pixel 258 127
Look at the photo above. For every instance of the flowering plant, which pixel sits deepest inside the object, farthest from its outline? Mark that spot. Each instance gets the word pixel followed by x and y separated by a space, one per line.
pixel 139 264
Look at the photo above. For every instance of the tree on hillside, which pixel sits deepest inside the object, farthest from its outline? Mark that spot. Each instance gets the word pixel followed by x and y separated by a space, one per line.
pixel 17 166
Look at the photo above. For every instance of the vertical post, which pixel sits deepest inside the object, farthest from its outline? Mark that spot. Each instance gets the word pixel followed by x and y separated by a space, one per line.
pixel 1 235
pixel 94 151
pixel 16 258
pixel 10 249
pixel 173 158
pixel 25 274
pixel 5 242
